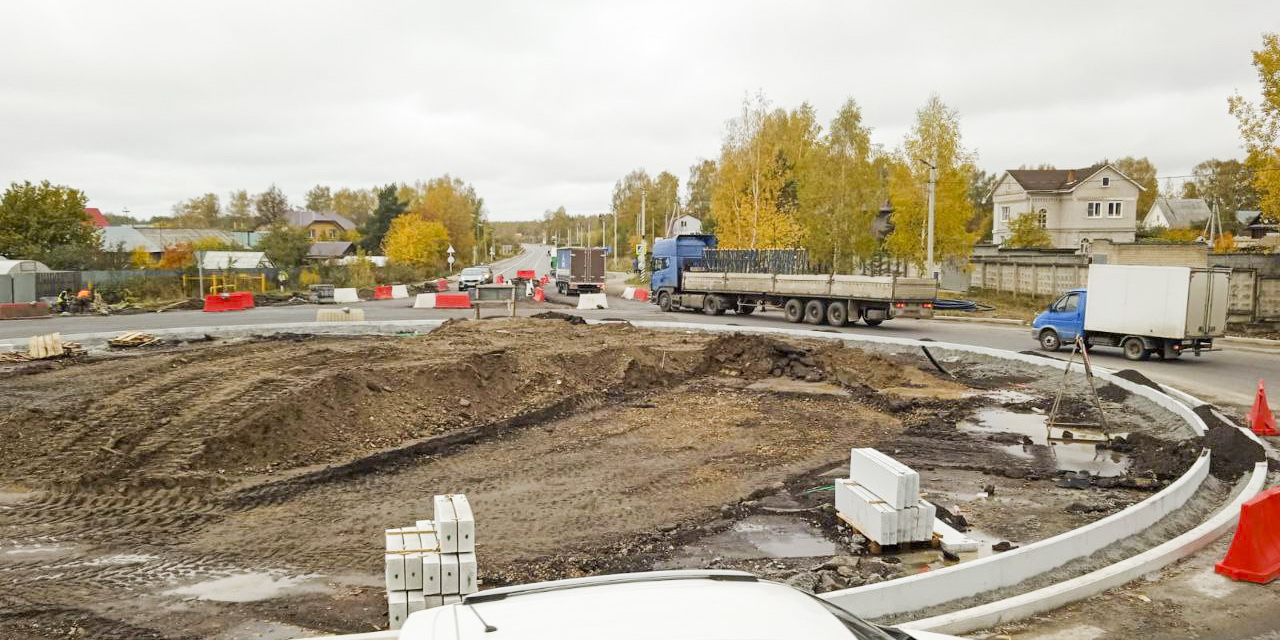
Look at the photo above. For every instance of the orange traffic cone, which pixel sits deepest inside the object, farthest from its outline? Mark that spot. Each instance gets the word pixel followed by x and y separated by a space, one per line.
pixel 1261 419
pixel 538 295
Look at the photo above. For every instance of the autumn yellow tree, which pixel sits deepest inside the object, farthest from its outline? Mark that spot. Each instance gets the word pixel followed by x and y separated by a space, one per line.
pixel 1025 232
pixel 839 194
pixel 140 259
pixel 935 139
pixel 1260 126
pixel 755 198
pixel 451 202
pixel 415 241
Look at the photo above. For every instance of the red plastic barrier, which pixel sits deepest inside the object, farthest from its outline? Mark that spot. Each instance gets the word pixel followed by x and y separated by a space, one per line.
pixel 453 301
pixel 641 294
pixel 382 292
pixel 498 279
pixel 15 310
pixel 1254 554
pixel 225 302
pixel 246 299
pixel 1261 420
pixel 526 274
pixel 442 285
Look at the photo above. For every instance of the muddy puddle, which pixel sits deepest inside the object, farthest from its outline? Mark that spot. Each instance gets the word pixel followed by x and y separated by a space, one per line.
pixel 250 587
pixel 1078 452
pixel 756 536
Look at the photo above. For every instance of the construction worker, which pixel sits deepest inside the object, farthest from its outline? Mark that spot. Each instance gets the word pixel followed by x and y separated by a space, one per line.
pixel 64 300
pixel 84 298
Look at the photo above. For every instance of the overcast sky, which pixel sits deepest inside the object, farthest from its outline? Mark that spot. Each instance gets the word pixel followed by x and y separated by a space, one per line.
pixel 541 104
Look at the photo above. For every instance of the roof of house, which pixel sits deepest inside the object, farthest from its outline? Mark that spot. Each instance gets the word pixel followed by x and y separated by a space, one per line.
pixel 331 249
pixel 306 218
pixel 156 240
pixel 1245 216
pixel 1181 212
pixel 214 260
pixel 96 217
pixel 1053 179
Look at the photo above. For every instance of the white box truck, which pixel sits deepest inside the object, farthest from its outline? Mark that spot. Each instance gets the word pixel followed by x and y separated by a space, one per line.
pixel 1144 310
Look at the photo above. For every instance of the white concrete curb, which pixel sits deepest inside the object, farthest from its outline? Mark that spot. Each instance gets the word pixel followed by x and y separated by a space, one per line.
pixel 1054 596
pixel 1012 321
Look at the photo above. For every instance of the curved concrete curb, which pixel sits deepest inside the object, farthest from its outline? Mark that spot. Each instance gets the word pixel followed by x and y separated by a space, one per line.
pixel 1091 584
pixel 99 339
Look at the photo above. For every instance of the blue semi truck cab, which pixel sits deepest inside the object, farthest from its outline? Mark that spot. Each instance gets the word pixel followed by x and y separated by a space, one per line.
pixel 672 256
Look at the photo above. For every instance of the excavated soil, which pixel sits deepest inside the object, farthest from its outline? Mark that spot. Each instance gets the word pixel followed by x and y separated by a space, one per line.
pixel 241 490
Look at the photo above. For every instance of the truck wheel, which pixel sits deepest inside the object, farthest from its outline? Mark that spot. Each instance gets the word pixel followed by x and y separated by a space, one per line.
pixel 1049 340
pixel 664 301
pixel 793 310
pixel 711 306
pixel 815 312
pixel 746 309
pixel 1134 349
pixel 837 314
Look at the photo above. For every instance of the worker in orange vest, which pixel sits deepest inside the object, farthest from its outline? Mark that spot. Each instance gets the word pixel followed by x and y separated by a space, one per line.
pixel 84 298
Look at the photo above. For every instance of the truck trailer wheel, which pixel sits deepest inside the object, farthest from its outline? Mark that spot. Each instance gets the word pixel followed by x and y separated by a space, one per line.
pixel 793 311
pixel 837 314
pixel 1134 349
pixel 1049 340
pixel 711 306
pixel 815 312
pixel 664 301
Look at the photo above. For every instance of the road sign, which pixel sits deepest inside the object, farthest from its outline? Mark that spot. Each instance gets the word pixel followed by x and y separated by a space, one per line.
pixel 450 259
pixel 450 249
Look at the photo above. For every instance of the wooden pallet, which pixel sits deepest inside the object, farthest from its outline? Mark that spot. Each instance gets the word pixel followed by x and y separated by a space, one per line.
pixel 133 339
pixel 876 548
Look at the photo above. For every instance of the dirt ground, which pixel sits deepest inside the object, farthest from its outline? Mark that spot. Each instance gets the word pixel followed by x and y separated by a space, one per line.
pixel 241 490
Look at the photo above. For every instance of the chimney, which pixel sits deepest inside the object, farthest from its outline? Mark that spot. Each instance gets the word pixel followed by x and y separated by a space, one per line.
pixel 1071 176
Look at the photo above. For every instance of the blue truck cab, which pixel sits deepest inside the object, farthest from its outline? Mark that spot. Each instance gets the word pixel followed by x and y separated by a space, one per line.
pixel 1065 318
pixel 671 256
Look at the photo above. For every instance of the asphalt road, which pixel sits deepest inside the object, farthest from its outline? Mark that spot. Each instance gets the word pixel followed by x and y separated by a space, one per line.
pixel 1228 377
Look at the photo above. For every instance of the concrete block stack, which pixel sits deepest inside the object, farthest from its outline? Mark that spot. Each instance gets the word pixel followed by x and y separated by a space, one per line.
pixel 881 498
pixel 432 563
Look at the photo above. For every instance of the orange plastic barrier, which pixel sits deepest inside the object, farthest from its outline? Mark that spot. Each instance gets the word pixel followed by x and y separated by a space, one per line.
pixel 246 299
pixel 1254 554
pixel 1261 420
pixel 538 295
pixel 498 279
pixel 641 294
pixel 453 301
pixel 382 292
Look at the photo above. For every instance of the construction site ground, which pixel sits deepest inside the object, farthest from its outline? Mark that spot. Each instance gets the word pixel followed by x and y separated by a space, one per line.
pixel 240 490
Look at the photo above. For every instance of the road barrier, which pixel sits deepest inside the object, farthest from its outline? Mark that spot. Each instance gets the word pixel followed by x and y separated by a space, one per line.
pixel 399 292
pixel 442 284
pixel 346 295
pixel 13 311
pixel 525 274
pixel 232 301
pixel 345 314
pixel 593 301
pixel 629 293
pixel 453 301
pixel 425 301
pixel 382 292
pixel 538 295
pixel 1254 554
pixel 642 295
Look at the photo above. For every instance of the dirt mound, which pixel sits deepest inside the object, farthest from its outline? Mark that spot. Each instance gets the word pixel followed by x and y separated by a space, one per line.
pixel 1234 453
pixel 1167 460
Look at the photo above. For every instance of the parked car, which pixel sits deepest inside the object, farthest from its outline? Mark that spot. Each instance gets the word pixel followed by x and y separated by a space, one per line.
pixel 673 605
pixel 474 276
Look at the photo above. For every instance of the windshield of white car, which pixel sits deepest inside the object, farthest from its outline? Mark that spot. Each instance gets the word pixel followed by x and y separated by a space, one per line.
pixel 474 272
pixel 860 628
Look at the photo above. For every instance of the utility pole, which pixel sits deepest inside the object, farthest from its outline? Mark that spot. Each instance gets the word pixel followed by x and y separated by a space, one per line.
pixel 929 266
pixel 642 246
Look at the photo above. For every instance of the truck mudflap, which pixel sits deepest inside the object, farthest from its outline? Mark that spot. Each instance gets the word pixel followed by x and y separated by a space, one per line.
pixel 912 309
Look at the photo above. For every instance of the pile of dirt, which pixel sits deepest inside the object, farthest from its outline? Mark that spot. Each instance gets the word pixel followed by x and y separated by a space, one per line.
pixel 1234 453
pixel 1166 460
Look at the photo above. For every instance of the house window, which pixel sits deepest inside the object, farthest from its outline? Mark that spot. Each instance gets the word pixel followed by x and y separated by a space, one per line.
pixel 1114 209
pixel 1095 210
pixel 1004 214
pixel 1043 218
pixel 1106 181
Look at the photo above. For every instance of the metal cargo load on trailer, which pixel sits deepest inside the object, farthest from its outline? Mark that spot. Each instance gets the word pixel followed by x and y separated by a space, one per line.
pixel 579 270
pixel 686 275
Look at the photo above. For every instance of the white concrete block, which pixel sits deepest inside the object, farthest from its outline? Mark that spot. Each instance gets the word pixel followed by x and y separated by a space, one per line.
pixel 593 301
pixel 885 477
pixel 953 541
pixel 629 293
pixel 928 516
pixel 417 601
pixel 412 562
pixel 394 561
pixel 449 573
pixel 466 523
pixel 868 513
pixel 468 581
pixel 397 608
pixel 431 573
pixel 399 291
pixel 345 295
pixel 425 525
pixel 425 301
pixel 434 601
pixel 446 524
pixel 452 600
